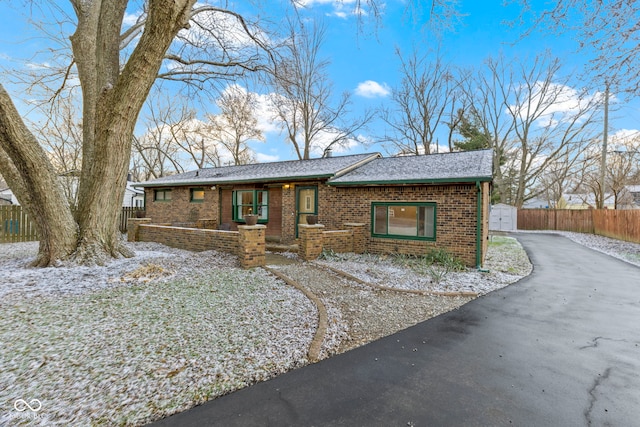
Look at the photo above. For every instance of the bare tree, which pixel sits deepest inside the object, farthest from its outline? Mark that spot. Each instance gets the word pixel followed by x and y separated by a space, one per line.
pixel 236 124
pixel 116 65
pixel 303 97
pixel 486 109
pixel 607 32
pixel 550 120
pixel 115 71
pixel 419 104
pixel 534 119
pixel 60 134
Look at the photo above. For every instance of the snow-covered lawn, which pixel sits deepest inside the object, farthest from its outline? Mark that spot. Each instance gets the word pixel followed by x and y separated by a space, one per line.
pixel 111 346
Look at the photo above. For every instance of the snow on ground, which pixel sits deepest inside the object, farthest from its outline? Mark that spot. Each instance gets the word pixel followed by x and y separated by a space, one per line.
pixel 152 335
pixel 140 338
pixel 506 263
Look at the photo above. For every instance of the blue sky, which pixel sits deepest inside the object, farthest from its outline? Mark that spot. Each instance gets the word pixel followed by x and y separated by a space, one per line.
pixel 363 62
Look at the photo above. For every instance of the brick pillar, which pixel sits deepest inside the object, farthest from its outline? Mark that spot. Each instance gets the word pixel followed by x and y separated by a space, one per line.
pixel 310 244
pixel 251 245
pixel 357 229
pixel 133 224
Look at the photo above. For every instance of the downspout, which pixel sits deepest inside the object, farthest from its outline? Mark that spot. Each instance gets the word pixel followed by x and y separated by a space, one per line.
pixel 479 230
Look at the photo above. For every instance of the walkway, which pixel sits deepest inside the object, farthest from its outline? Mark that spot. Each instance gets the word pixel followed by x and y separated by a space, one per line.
pixel 561 347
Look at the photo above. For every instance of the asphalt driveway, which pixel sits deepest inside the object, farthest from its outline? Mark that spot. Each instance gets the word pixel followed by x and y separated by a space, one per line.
pixel 559 348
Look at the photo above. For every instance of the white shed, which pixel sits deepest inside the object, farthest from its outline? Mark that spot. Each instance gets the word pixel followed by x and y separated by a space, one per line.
pixel 503 218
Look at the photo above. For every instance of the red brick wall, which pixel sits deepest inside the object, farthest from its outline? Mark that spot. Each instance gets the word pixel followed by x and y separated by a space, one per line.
pixel 456 207
pixel 180 209
pixel 190 239
pixel 338 241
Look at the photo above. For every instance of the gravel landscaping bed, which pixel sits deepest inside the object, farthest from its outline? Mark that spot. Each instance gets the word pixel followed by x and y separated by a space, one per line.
pixel 360 314
pixel 506 263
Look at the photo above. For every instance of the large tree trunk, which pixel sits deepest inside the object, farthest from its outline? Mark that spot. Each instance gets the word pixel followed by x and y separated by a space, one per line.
pixel 117 99
pixel 29 173
pixel 112 97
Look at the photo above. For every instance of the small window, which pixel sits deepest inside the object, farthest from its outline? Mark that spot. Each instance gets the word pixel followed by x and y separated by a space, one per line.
pixel 248 202
pixel 162 195
pixel 197 195
pixel 415 221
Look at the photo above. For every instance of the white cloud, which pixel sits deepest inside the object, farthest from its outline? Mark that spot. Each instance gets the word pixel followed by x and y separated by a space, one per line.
pixel 340 8
pixel 625 140
pixel 131 18
pixel 568 103
pixel 265 158
pixel 372 89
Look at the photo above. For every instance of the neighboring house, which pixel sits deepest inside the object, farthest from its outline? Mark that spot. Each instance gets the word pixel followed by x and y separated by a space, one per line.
pixel 583 201
pixel 133 197
pixel 7 197
pixel 634 192
pixel 407 204
pixel 535 203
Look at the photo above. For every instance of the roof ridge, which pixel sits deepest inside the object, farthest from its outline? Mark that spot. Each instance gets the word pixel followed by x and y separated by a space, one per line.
pixel 293 160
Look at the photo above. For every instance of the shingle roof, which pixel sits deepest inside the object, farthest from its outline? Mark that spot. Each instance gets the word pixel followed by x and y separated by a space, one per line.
pixel 358 169
pixel 451 167
pixel 266 172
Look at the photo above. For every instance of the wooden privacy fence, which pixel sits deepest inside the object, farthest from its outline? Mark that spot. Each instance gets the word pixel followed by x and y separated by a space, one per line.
pixel 15 225
pixel 127 213
pixel 623 225
pixel 617 224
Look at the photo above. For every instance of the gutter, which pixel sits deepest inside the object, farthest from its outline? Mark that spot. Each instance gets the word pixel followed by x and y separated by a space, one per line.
pixel 411 181
pixel 479 230
pixel 206 181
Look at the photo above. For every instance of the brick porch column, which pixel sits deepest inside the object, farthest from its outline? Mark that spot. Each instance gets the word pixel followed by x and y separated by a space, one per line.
pixel 133 225
pixel 357 228
pixel 310 244
pixel 251 245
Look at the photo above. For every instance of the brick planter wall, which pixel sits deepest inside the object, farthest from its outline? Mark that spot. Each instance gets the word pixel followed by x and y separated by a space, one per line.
pixel 338 241
pixel 191 239
pixel 248 243
pixel 133 228
pixel 357 230
pixel 251 245
pixel 310 245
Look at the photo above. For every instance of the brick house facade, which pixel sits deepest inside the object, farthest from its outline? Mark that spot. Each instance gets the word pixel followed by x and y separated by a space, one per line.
pixel 407 204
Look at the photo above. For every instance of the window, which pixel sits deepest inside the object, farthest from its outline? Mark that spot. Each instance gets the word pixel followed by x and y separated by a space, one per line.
pixel 196 195
pixel 162 195
pixel 416 221
pixel 247 202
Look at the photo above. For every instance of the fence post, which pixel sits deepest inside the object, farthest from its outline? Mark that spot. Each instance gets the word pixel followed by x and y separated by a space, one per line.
pixel 251 245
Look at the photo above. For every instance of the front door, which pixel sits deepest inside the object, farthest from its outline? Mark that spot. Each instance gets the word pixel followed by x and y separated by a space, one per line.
pixel 306 204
